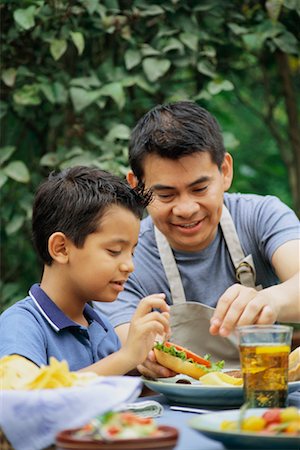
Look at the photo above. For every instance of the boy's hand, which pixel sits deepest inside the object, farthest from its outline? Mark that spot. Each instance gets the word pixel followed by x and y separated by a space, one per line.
pixel 151 369
pixel 146 324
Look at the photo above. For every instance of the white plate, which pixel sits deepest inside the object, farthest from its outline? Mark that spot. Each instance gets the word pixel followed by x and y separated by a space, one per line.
pixel 200 394
pixel 209 425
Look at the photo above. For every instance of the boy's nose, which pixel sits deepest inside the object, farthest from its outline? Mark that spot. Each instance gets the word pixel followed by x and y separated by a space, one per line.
pixel 127 266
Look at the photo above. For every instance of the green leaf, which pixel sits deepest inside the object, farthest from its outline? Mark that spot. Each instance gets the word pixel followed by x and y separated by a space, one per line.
pixel 90 5
pixel 237 29
pixel 287 43
pixel 173 44
pixel 152 10
pixel 25 17
pixel 132 58
pixel 155 68
pixel 9 76
pixel 216 86
pixel 82 98
pixel 86 82
pixel 190 40
pixel 58 48
pixel 3 178
pixel 118 131
pixel 273 8
pixel 6 152
pixel 18 171
pixel 50 159
pixel 55 93
pixel 206 68
pixel 78 41
pixel 116 92
pixel 14 224
pixel 27 95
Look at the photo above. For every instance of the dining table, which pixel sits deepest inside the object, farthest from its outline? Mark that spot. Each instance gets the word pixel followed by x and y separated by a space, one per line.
pixel 189 438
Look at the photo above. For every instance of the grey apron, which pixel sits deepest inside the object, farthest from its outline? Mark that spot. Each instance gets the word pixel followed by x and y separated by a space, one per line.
pixel 190 320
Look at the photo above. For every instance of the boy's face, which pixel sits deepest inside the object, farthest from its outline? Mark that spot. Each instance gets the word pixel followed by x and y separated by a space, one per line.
pixel 99 269
pixel 188 197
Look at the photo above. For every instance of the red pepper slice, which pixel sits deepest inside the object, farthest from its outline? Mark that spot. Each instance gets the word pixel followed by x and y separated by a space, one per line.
pixel 196 358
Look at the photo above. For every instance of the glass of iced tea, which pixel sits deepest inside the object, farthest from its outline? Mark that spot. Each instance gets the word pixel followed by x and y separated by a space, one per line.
pixel 264 356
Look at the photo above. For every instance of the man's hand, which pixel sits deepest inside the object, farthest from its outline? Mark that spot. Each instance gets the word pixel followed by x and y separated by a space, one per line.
pixel 151 369
pixel 241 305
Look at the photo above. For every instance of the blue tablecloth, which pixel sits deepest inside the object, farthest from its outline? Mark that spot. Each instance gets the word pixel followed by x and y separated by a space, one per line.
pixel 190 439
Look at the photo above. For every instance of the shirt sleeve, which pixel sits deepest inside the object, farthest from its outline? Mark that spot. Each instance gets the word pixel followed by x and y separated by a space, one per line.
pixel 20 334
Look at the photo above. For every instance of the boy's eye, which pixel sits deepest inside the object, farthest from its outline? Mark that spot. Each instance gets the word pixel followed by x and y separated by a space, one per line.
pixel 114 252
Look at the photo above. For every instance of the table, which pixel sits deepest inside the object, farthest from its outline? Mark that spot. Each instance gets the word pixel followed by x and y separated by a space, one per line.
pixel 190 439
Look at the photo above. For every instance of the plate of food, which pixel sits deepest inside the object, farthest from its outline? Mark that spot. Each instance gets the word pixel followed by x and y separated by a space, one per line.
pixel 198 383
pixel 258 428
pixel 119 431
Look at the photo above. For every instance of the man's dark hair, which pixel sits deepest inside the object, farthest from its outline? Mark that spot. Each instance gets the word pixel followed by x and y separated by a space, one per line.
pixel 74 200
pixel 173 131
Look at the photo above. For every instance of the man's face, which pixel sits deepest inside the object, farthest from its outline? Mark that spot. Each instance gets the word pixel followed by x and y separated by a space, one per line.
pixel 188 197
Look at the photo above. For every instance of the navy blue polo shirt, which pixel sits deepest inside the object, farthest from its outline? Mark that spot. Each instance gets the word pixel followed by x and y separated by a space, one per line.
pixel 37 329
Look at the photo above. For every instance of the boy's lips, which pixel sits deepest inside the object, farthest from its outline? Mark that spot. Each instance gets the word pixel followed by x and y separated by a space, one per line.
pixel 118 285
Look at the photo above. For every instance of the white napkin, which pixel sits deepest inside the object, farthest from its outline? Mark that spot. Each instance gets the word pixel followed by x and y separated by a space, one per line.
pixel 31 419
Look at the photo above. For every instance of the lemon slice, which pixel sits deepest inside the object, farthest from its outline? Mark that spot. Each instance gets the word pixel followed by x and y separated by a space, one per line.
pixel 273 349
pixel 220 379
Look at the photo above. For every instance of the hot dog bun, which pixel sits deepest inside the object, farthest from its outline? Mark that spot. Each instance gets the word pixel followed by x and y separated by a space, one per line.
pixel 181 360
pixel 178 365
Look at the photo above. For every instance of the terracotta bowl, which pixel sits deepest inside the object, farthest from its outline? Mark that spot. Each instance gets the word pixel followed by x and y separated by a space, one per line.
pixel 165 441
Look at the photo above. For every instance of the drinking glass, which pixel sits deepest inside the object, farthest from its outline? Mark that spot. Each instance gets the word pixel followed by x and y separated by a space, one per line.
pixel 264 356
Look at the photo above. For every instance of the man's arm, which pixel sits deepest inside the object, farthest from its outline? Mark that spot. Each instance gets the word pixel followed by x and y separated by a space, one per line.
pixel 240 305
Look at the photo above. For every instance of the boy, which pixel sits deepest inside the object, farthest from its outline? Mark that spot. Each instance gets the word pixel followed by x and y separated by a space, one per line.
pixel 85 227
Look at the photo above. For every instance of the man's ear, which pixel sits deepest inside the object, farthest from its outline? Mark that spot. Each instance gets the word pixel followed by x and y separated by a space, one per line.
pixel 132 179
pixel 58 247
pixel 227 171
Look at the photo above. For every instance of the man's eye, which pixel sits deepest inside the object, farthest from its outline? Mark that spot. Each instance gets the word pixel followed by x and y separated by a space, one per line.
pixel 164 196
pixel 200 189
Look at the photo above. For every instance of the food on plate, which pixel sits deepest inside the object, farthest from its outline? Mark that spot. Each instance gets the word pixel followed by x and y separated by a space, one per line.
pixel 17 372
pixel 220 379
pixel 182 360
pixel 294 365
pixel 118 425
pixel 273 421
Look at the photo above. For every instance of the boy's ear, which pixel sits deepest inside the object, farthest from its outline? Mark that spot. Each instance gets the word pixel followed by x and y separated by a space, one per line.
pixel 58 248
pixel 132 179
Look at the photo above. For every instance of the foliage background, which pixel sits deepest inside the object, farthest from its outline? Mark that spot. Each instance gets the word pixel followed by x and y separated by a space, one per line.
pixel 76 76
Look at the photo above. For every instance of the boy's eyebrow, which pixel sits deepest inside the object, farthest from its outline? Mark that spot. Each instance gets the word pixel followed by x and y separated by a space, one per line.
pixel 199 180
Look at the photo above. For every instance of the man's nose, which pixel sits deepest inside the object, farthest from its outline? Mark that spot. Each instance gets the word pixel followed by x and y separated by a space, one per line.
pixel 185 207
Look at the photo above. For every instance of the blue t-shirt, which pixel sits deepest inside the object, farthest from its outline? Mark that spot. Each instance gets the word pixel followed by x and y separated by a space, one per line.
pixel 37 329
pixel 263 224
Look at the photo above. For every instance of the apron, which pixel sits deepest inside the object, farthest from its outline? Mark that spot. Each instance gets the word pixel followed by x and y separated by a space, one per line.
pixel 190 320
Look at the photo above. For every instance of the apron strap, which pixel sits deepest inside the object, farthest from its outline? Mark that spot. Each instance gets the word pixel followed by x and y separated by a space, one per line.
pixel 170 267
pixel 244 265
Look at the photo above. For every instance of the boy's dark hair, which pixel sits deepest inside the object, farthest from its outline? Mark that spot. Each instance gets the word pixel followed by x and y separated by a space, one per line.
pixel 73 201
pixel 173 131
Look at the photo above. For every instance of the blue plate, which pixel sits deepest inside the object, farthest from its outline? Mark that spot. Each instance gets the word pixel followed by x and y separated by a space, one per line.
pixel 209 425
pixel 200 394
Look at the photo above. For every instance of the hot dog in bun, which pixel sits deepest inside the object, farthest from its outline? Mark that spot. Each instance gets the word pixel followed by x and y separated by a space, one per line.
pixel 181 360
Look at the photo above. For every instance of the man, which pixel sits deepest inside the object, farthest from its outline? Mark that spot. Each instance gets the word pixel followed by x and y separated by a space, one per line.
pixel 222 260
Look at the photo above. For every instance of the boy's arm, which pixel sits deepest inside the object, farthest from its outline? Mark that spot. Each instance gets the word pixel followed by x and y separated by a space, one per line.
pixel 146 324
pixel 240 305
pixel 122 332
